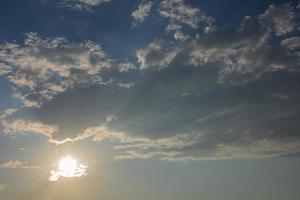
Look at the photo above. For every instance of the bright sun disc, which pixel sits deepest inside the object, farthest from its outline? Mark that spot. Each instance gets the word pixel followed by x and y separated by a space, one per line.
pixel 68 166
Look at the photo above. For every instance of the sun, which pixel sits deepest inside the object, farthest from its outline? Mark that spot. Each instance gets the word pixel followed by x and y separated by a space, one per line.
pixel 68 167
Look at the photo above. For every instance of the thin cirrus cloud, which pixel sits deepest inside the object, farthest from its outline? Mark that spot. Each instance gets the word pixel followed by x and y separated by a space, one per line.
pixel 222 93
pixel 16 164
pixel 177 11
pixel 82 4
pixel 184 147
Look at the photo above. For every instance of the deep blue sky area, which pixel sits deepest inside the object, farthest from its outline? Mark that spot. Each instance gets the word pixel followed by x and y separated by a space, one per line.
pixel 109 24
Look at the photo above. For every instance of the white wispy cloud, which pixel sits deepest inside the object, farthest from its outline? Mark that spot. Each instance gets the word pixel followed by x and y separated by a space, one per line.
pixel 180 12
pixel 177 29
pixel 126 66
pixel 181 147
pixel 82 4
pixel 155 55
pixel 214 115
pixel 187 147
pixel 21 126
pixel 16 164
pixel 243 53
pixel 7 112
pixel 42 68
pixel 142 11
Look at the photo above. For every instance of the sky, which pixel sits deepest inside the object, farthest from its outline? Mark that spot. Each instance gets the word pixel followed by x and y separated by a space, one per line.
pixel 149 99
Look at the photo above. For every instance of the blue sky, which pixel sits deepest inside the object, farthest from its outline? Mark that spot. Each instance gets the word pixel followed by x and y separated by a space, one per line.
pixel 170 99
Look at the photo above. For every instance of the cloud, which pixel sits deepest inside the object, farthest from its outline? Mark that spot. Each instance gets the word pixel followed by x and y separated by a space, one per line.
pixel 142 11
pixel 181 147
pixel 187 147
pixel 124 67
pixel 292 43
pixel 82 4
pixel 179 12
pixel 280 18
pixel 7 112
pixel 45 67
pixel 257 150
pixel 242 54
pixel 21 126
pixel 177 29
pixel 155 55
pixel 227 93
pixel 16 164
pixel 80 171
pixel 4 69
pixel 11 164
pixel 213 115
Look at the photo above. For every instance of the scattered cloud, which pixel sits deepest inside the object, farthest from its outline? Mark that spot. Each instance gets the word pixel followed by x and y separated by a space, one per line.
pixel 124 67
pixel 82 4
pixel 42 68
pixel 222 93
pixel 179 12
pixel 177 29
pixel 142 11
pixel 21 126
pixel 241 54
pixel 155 55
pixel 281 18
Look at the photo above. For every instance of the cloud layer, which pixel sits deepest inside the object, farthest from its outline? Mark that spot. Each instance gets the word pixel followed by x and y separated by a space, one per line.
pixel 207 92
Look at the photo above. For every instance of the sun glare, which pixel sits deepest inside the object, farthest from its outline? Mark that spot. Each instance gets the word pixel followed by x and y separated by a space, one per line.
pixel 68 167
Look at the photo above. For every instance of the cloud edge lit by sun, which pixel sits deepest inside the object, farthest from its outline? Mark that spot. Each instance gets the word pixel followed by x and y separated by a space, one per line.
pixel 68 167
